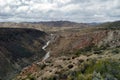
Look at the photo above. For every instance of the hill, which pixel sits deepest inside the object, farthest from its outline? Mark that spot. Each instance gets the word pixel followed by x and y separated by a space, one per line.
pixel 61 24
pixel 49 26
pixel 86 54
pixel 19 47
pixel 110 25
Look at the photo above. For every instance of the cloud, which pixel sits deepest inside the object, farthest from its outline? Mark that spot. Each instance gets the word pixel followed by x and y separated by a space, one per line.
pixel 72 10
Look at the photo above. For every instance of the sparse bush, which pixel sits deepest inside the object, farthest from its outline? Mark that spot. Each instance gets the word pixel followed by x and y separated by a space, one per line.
pixel 116 51
pixel 98 70
pixel 92 70
pixel 97 76
pixel 81 77
pixel 102 47
pixel 92 47
pixel 52 78
pixel 32 78
pixel 84 50
pixel 42 66
pixel 70 66
pixel 29 77
pixel 97 52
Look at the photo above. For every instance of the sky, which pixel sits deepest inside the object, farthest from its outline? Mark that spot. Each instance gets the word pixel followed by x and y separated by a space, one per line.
pixel 56 10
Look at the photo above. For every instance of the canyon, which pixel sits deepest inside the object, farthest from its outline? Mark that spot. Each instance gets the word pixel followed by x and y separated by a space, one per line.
pixel 59 51
pixel 19 48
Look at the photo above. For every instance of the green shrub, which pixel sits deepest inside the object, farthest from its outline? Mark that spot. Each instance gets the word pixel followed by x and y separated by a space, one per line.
pixel 84 50
pixel 105 67
pixel 116 51
pixel 30 78
pixel 42 66
pixel 81 77
pixel 99 70
pixel 92 48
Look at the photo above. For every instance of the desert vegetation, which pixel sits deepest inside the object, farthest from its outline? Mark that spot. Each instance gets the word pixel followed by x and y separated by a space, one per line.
pixel 89 53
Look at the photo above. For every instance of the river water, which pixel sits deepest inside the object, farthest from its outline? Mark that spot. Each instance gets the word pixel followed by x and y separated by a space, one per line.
pixel 47 55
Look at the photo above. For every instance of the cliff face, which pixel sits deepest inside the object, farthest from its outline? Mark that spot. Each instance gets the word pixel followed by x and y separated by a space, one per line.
pixel 66 43
pixel 80 56
pixel 112 39
pixel 87 54
pixel 19 48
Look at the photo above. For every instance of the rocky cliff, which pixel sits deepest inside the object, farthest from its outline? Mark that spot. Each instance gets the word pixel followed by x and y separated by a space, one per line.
pixel 91 53
pixel 19 48
pixel 87 54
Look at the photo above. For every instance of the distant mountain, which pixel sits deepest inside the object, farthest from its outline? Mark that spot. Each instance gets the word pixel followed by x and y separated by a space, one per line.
pixel 43 24
pixel 61 24
pixel 110 25
pixel 93 23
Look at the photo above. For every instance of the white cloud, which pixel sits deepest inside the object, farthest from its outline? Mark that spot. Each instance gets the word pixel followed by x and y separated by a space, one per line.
pixel 70 7
pixel 73 10
pixel 43 7
pixel 22 9
pixel 64 1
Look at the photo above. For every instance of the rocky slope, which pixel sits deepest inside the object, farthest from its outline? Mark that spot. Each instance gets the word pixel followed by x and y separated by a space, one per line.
pixel 19 48
pixel 87 54
pixel 81 67
pixel 68 42
pixel 76 54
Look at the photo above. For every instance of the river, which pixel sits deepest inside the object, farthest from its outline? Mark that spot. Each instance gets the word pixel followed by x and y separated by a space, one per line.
pixel 47 55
